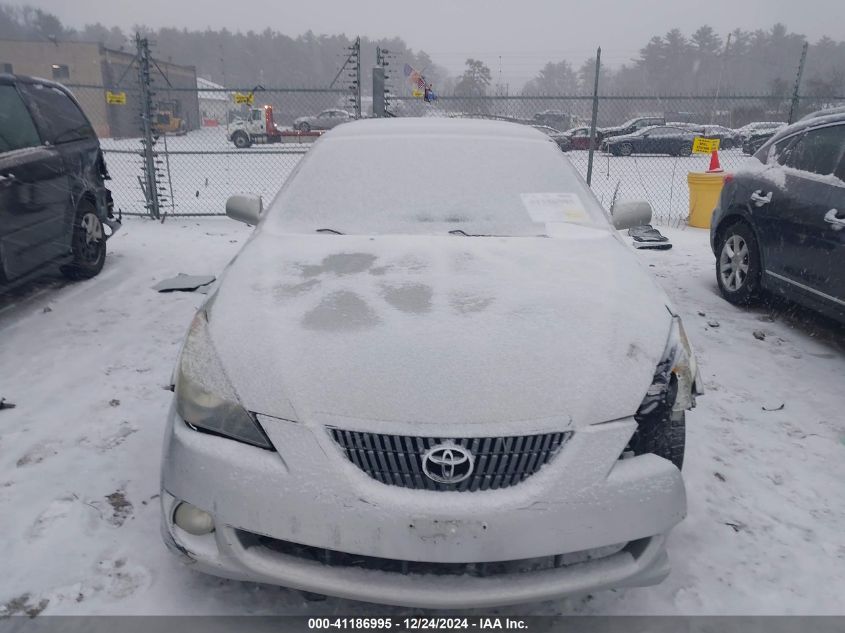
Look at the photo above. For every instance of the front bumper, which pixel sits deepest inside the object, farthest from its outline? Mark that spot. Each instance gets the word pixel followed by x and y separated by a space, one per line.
pixel 310 498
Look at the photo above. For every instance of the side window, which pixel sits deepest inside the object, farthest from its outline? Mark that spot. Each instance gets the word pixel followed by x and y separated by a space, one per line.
pixel 256 115
pixel 818 151
pixel 777 153
pixel 17 129
pixel 63 119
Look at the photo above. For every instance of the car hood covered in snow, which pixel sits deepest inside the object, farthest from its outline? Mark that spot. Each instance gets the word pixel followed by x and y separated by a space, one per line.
pixel 439 329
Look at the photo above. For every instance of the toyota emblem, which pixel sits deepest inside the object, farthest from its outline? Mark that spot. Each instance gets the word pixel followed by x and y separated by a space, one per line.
pixel 447 463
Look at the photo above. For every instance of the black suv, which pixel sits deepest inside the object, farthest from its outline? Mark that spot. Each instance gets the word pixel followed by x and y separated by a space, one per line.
pixel 54 206
pixel 629 127
pixel 780 223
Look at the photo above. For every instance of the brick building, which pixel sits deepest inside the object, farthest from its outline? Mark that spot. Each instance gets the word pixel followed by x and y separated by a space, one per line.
pixel 90 70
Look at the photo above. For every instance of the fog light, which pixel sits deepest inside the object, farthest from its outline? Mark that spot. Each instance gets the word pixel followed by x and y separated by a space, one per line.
pixel 193 520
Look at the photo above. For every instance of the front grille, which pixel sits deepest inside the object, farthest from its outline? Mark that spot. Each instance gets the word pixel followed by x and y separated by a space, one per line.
pixel 500 462
pixel 335 558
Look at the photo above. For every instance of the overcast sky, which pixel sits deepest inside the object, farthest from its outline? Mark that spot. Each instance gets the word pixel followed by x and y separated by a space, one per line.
pixel 524 33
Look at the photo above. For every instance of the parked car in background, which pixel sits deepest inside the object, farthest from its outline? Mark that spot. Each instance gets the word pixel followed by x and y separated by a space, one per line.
pixel 660 139
pixel 758 126
pixel 754 135
pixel 579 137
pixel 436 373
pixel 554 118
pixel 728 138
pixel 54 205
pixel 629 127
pixel 326 120
pixel 780 222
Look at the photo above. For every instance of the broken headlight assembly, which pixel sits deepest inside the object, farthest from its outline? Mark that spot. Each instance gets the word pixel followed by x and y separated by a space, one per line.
pixel 676 380
pixel 205 398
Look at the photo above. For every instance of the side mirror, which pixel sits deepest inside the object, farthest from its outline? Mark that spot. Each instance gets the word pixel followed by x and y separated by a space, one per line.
pixel 626 215
pixel 246 209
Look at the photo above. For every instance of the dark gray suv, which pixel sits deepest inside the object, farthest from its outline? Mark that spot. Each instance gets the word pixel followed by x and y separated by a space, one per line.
pixel 780 223
pixel 54 205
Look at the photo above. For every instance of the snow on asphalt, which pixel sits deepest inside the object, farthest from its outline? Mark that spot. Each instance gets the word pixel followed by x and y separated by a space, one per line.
pixel 87 365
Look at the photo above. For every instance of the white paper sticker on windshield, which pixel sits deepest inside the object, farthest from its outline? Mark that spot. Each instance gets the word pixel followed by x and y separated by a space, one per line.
pixel 549 208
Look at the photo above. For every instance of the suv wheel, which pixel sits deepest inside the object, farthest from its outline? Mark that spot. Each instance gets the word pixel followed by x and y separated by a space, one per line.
pixel 88 244
pixel 685 150
pixel 304 127
pixel 738 264
pixel 626 149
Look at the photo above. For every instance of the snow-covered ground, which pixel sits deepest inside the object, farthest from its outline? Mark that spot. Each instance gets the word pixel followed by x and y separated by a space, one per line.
pixel 201 182
pixel 87 365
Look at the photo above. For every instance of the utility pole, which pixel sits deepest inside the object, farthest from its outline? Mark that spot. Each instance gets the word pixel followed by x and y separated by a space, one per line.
pixel 149 184
pixel 797 90
pixel 595 117
pixel 355 58
pixel 381 87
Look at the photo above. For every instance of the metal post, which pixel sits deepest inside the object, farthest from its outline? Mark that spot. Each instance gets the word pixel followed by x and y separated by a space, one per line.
pixel 593 121
pixel 795 93
pixel 150 180
pixel 378 92
pixel 357 77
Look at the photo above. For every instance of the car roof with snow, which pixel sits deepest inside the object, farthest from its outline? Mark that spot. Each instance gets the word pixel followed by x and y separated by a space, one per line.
pixel 437 126
pixel 805 124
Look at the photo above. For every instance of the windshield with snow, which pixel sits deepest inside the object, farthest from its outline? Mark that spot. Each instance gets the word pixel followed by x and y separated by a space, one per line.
pixel 433 185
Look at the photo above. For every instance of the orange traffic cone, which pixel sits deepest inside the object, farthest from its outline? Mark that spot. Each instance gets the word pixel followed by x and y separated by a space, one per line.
pixel 715 167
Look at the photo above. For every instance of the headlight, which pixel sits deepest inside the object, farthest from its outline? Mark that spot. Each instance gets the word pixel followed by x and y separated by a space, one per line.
pixel 676 379
pixel 205 397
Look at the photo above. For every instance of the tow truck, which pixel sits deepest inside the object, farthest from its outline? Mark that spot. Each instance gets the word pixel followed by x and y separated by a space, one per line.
pixel 259 128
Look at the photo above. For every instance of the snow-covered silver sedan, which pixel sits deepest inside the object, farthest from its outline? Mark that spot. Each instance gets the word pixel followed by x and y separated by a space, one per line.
pixel 435 376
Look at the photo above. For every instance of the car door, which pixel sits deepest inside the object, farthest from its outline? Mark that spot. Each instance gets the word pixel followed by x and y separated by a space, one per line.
pixel 656 140
pixel 803 238
pixel 255 122
pixel 34 191
pixel 68 130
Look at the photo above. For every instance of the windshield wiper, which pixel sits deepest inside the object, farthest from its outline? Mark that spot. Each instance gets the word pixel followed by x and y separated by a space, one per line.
pixel 329 231
pixel 465 234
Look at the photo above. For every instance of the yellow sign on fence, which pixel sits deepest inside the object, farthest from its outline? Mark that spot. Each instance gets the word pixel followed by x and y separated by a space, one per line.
pixel 115 98
pixel 248 99
pixel 705 145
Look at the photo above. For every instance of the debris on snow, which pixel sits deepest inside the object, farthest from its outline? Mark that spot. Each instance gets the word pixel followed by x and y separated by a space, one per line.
pixel 720 476
pixel 121 506
pixel 6 405
pixel 780 408
pixel 713 323
pixel 184 282
pixel 47 309
pixel 760 335
pixel 737 527
pixel 114 402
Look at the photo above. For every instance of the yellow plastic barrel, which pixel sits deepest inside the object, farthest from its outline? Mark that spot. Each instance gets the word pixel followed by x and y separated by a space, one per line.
pixel 704 192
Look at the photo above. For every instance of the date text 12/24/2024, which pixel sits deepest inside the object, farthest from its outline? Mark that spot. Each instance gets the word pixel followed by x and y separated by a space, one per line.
pixel 417 624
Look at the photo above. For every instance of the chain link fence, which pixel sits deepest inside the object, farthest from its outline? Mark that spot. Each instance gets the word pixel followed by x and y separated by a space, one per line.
pixel 198 166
